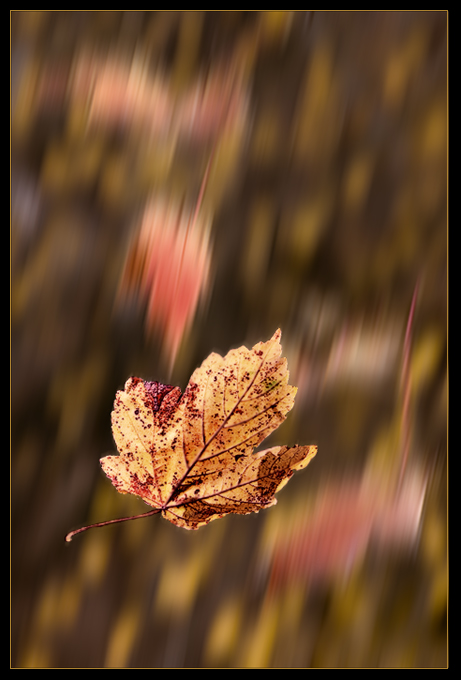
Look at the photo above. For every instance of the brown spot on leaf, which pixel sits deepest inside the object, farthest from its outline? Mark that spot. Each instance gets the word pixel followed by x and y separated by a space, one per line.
pixel 157 392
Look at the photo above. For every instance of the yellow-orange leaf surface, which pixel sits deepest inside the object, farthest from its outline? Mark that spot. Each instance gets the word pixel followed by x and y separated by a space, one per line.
pixel 191 455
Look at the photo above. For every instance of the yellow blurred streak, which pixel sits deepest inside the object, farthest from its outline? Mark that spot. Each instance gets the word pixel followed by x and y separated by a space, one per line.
pixel 292 608
pixel 258 644
pixel 25 463
pixel 384 458
pixel 407 244
pixel 351 606
pixel 55 168
pixel 188 46
pixel 441 404
pixel 77 121
pixel 357 181
pixel 86 162
pixel 430 149
pixel 257 249
pixel 402 65
pixel 69 601
pixel 320 78
pixel 115 179
pixel 433 542
pixel 224 632
pixel 426 357
pixel 179 585
pixel 350 417
pixel 433 142
pixel 275 25
pixel 31 22
pixel 416 48
pixel 319 112
pixel 73 395
pixel 274 524
pixel 181 577
pixel 153 166
pixel 37 655
pixel 94 557
pixel 398 250
pixel 37 649
pixel 45 611
pixel 97 544
pixel 306 227
pixel 289 628
pixel 138 534
pixel 23 112
pixel 104 502
pixel 122 637
pixel 395 81
pixel 401 655
pixel 352 621
pixel 438 596
pixel 277 525
pixel 225 165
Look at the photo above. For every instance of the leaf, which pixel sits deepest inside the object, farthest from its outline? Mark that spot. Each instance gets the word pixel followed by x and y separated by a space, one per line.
pixel 124 94
pixel 168 266
pixel 326 539
pixel 190 456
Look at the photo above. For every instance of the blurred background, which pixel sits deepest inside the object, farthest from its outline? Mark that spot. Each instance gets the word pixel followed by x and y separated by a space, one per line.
pixel 188 182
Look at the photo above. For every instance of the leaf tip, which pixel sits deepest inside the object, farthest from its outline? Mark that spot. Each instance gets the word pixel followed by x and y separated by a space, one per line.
pixel 277 335
pixel 311 453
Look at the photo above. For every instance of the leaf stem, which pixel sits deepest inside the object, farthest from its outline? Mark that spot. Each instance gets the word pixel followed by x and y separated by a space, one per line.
pixel 71 534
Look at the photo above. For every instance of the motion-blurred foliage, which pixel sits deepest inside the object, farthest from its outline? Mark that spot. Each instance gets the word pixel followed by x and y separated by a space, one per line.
pixel 324 206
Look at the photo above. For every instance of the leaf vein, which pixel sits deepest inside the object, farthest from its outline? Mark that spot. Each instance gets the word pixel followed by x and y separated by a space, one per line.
pixel 248 420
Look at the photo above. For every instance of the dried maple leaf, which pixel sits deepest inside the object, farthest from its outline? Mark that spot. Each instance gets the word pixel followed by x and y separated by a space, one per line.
pixel 190 456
